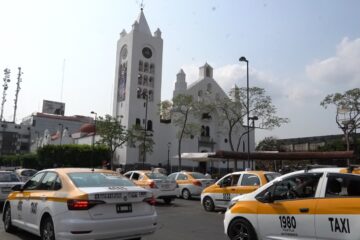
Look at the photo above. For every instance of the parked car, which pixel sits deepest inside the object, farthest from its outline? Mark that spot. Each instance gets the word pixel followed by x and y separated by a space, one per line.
pixel 233 184
pixel 25 173
pixel 7 181
pixel 161 186
pixel 318 203
pixel 191 183
pixel 78 203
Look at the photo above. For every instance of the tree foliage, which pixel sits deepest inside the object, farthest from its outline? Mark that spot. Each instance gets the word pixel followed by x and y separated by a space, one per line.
pixel 347 111
pixel 184 112
pixel 112 133
pixel 268 144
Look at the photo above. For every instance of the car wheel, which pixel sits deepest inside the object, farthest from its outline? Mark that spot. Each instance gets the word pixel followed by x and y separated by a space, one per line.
pixel 241 229
pixel 7 220
pixel 47 229
pixel 167 200
pixel 186 194
pixel 208 204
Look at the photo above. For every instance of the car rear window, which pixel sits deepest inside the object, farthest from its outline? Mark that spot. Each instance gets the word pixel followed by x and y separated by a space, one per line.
pixel 8 177
pixel 271 176
pixel 198 175
pixel 97 179
pixel 153 175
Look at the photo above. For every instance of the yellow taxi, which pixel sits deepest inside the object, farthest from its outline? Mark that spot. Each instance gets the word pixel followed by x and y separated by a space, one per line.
pixel 77 203
pixel 231 185
pixel 161 186
pixel 322 203
pixel 191 183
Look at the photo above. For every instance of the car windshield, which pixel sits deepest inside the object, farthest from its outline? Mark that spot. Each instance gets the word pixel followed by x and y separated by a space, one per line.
pixel 271 176
pixel 8 177
pixel 99 179
pixel 28 173
pixel 153 175
pixel 197 175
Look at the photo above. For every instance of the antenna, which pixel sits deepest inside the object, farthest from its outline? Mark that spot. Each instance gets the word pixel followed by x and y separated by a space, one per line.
pixel 62 81
pixel 19 80
pixel 5 87
pixel 142 5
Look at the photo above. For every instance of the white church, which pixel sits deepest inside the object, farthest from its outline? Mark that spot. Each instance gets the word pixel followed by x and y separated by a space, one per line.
pixel 137 95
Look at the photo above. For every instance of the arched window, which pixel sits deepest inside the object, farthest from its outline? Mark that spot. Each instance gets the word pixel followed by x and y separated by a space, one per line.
pixel 138 92
pixel 207 72
pixel 152 68
pixel 145 82
pixel 207 131
pixel 141 66
pixel 151 81
pixel 137 122
pixel 209 87
pixel 140 78
pixel 144 93
pixel 146 67
pixel 149 125
pixel 151 95
pixel 203 132
pixel 200 93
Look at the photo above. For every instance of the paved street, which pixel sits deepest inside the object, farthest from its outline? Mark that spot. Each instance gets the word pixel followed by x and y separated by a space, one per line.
pixel 178 221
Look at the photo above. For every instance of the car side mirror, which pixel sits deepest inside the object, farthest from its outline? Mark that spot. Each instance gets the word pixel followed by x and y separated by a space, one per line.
pixel 17 187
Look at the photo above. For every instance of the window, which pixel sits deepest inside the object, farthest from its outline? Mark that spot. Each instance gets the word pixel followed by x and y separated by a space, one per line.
pixel 197 175
pixel 271 176
pixel 145 82
pixel 48 181
pixel 172 176
pixel 8 177
pixel 141 66
pixel 342 185
pixel 207 72
pixel 140 79
pixel 151 95
pixel 200 93
pixel 146 67
pixel 182 177
pixel 231 180
pixel 207 131
pixel 144 93
pixel 250 180
pixel 203 131
pixel 209 87
pixel 154 175
pixel 34 181
pixel 149 125
pixel 151 81
pixel 152 68
pixel 137 122
pixel 139 93
pixel 297 187
pixel 128 174
pixel 99 179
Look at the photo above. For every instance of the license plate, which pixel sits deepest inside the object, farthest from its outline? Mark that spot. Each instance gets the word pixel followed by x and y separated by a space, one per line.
pixel 123 208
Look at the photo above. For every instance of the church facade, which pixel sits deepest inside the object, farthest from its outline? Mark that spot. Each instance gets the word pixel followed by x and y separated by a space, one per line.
pixel 137 95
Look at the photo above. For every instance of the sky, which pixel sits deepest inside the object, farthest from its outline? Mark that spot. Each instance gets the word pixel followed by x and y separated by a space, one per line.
pixel 298 51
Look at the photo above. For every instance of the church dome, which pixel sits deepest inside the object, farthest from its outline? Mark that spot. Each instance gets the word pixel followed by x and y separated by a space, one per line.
pixel 87 128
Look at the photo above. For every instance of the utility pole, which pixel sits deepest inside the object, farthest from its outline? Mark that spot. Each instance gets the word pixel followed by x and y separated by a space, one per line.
pixel 19 80
pixel 5 87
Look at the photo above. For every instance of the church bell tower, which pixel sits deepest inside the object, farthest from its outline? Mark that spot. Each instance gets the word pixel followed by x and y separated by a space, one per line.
pixel 137 87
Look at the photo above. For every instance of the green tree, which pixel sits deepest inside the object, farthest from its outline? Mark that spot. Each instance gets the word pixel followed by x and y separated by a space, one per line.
pixel 112 134
pixel 141 139
pixel 268 144
pixel 233 111
pixel 184 111
pixel 347 111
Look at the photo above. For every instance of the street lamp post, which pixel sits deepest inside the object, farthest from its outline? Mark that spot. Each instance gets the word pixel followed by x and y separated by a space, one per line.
pixel 243 59
pixel 168 159
pixel 93 139
pixel 146 96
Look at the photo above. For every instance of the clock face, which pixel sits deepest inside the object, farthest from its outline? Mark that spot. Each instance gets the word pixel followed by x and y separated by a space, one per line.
pixel 147 52
pixel 124 52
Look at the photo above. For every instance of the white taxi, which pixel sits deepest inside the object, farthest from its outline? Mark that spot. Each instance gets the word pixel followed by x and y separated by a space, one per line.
pixel 191 183
pixel 233 184
pixel 161 186
pixel 308 204
pixel 76 203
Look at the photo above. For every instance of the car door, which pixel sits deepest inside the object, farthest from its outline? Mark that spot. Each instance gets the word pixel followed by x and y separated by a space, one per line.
pixel 226 189
pixel 28 206
pixel 290 212
pixel 338 212
pixel 41 198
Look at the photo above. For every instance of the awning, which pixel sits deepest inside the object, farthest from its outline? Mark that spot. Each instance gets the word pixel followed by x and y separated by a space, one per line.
pixel 196 156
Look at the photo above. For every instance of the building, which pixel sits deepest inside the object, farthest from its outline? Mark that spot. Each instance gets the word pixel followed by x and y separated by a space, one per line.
pixel 137 95
pixel 14 138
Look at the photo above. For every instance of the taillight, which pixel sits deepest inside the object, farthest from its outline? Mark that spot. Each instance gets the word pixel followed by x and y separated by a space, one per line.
pixel 150 200
pixel 152 184
pixel 197 183
pixel 82 204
